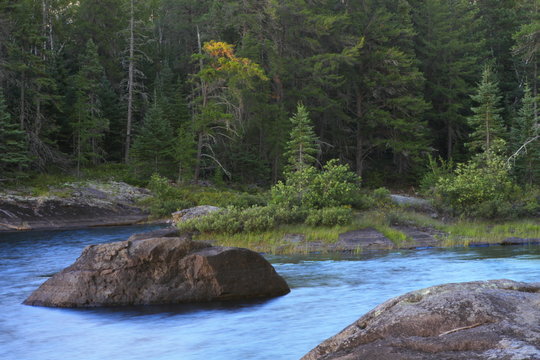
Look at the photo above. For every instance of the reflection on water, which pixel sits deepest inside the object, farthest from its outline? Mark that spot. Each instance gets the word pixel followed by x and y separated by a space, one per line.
pixel 328 293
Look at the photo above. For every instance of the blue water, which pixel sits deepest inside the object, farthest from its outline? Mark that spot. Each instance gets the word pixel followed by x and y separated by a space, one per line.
pixel 328 293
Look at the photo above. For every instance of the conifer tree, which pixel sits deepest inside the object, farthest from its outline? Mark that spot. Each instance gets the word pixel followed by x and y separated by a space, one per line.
pixel 301 149
pixel 153 146
pixel 448 47
pixel 89 124
pixel 13 149
pixel 185 149
pixel 487 123
pixel 527 163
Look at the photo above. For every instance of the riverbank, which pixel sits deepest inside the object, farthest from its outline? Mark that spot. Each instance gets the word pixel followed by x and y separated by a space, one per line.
pixel 392 229
pixel 72 205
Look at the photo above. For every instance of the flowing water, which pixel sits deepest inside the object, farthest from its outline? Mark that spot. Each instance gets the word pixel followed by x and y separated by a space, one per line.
pixel 328 293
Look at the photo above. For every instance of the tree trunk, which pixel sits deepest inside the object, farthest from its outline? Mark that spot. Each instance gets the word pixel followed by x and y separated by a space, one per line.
pixel 449 140
pixel 22 103
pixel 359 152
pixel 131 70
pixel 360 155
pixel 198 160
pixel 204 95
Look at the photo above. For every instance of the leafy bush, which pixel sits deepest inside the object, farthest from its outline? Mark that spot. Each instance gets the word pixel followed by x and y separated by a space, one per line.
pixel 224 198
pixel 329 216
pixel 381 196
pixel 334 186
pixel 167 198
pixel 437 169
pixel 258 219
pixel 309 188
pixel 482 187
pixel 233 220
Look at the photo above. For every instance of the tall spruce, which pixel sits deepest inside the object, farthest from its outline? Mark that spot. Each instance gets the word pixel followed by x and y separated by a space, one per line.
pixel 13 147
pixel 486 123
pixel 449 48
pixel 302 148
pixel 153 150
pixel 525 129
pixel 89 125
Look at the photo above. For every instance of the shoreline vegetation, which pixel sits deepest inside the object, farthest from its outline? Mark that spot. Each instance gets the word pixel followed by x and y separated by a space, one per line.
pixel 323 206
pixel 383 223
pixel 398 226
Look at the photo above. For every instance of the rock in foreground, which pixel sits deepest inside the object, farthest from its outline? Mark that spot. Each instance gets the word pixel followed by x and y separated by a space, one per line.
pixel 498 319
pixel 166 270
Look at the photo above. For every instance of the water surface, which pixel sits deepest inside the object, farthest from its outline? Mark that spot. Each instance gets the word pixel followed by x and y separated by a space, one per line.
pixel 328 293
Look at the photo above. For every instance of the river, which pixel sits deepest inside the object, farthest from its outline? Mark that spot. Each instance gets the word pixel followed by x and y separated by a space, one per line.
pixel 328 293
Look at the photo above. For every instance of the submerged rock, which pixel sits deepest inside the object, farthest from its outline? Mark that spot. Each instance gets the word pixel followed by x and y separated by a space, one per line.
pixel 165 270
pixel 498 319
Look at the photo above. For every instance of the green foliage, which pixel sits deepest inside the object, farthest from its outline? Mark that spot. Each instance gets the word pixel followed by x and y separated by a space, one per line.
pixel 258 219
pixel 310 188
pixel 152 150
pixel 13 150
pixel 335 185
pixel 482 187
pixel 329 216
pixel 486 122
pixel 302 146
pixel 525 128
pixel 184 151
pixel 167 198
pixel 436 169
pixel 449 45
pixel 89 125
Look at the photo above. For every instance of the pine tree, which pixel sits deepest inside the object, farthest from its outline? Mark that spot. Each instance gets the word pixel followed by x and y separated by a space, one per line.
pixel 13 147
pixel 487 123
pixel 527 163
pixel 153 146
pixel 302 148
pixel 185 150
pixel 89 125
pixel 448 48
pixel 384 86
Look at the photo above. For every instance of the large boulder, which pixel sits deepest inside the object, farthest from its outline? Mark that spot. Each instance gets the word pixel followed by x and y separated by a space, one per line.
pixel 498 319
pixel 165 270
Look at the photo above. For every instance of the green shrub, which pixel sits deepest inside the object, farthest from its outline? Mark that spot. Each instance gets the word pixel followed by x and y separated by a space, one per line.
pixel 482 187
pixel 293 215
pixel 335 185
pixel 224 198
pixel 437 169
pixel 329 216
pixel 167 198
pixel 309 188
pixel 225 221
pixel 258 219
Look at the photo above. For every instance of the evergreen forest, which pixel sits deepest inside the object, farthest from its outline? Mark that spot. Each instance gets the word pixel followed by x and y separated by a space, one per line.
pixel 197 90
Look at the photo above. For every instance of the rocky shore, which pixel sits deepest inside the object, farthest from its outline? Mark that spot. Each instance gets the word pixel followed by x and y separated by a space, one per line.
pixel 73 205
